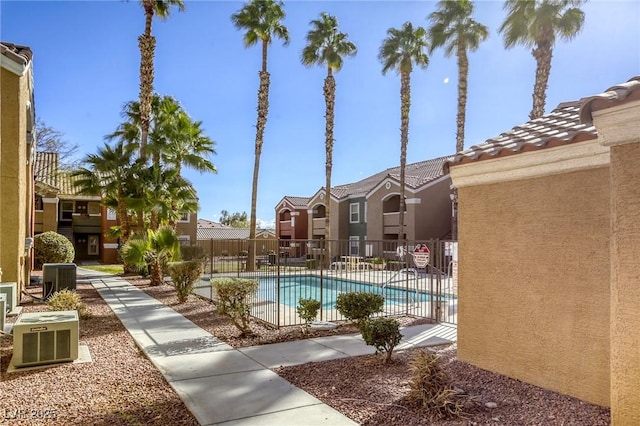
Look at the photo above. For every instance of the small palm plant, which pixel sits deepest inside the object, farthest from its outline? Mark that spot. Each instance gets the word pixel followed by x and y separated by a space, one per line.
pixel 155 250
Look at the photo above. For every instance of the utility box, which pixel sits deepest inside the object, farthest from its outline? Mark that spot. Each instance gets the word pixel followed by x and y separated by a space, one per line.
pixel 56 277
pixel 3 310
pixel 11 291
pixel 41 338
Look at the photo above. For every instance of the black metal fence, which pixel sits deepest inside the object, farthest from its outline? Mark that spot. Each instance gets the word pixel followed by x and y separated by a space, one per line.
pixel 414 281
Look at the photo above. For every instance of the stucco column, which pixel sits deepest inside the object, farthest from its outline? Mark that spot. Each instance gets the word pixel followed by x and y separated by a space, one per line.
pixel 619 128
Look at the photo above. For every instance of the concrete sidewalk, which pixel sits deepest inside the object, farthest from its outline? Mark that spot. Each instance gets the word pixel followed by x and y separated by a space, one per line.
pixel 220 385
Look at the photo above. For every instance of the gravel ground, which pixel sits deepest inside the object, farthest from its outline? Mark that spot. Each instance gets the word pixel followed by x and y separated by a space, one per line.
pixel 121 387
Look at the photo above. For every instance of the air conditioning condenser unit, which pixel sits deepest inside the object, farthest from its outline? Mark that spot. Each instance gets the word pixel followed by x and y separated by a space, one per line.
pixel 56 277
pixel 41 338
pixel 11 290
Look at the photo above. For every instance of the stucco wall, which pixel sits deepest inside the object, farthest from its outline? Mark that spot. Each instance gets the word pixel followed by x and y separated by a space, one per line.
pixel 433 214
pixel 13 178
pixel 625 284
pixel 534 281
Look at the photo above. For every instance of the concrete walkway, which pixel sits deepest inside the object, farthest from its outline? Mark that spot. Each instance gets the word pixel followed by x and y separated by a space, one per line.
pixel 220 385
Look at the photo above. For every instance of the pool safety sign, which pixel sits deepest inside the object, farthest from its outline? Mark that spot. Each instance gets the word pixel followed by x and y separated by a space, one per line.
pixel 421 255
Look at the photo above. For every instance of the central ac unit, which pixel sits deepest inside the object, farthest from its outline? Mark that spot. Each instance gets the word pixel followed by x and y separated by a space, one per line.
pixel 58 276
pixel 45 338
pixel 11 291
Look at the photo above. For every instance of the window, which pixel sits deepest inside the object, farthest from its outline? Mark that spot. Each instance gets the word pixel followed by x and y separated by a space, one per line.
pixel 93 245
pixel 81 207
pixel 38 203
pixel 66 211
pixel 354 213
pixel 354 246
pixel 365 212
pixel 184 217
pixel 111 214
pixel 185 240
pixel 94 208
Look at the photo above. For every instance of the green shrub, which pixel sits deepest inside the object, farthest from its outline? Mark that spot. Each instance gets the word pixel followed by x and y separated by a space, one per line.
pixel 308 310
pixel 51 247
pixel 193 253
pixel 232 296
pixel 381 333
pixel 184 275
pixel 68 300
pixel 431 387
pixel 358 306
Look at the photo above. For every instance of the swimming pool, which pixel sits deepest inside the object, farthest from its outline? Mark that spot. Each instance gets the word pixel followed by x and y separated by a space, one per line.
pixel 308 287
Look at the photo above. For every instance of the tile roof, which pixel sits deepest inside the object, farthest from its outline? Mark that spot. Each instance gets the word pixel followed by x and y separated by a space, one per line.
pixel 204 223
pixel 416 175
pixel 561 126
pixel 229 233
pixel 45 168
pixel 17 53
pixel 297 202
pixel 616 94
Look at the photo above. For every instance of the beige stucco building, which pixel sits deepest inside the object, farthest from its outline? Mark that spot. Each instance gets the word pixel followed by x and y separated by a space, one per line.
pixel 549 237
pixel 17 121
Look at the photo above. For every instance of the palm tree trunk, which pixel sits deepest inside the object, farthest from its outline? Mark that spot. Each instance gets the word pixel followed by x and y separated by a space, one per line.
pixel 543 54
pixel 329 90
pixel 263 110
pixel 463 72
pixel 405 106
pixel 156 273
pixel 147 44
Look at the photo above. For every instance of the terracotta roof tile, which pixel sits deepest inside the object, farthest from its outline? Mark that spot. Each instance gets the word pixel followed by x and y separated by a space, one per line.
pixel 45 168
pixel 229 233
pixel 298 202
pixel 561 126
pixel 17 53
pixel 204 223
pixel 416 175
pixel 616 94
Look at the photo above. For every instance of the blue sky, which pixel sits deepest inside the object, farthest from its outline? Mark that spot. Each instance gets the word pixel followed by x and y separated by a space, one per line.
pixel 86 64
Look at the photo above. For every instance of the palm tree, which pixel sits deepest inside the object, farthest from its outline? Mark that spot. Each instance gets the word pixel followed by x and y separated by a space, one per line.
pixel 326 47
pixel 454 29
pixel 400 51
pixel 109 173
pixel 154 250
pixel 147 44
pixel 187 145
pixel 537 23
pixel 262 20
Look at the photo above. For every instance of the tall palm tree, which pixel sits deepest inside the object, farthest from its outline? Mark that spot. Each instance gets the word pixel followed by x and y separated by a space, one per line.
pixel 537 23
pixel 108 173
pixel 454 29
pixel 147 44
pixel 400 51
pixel 187 145
pixel 262 21
pixel 326 47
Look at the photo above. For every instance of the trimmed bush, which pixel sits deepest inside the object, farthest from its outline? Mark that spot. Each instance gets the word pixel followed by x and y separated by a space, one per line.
pixel 232 296
pixel 51 247
pixel 184 275
pixel 359 306
pixel 431 388
pixel 308 311
pixel 68 300
pixel 381 333
pixel 193 253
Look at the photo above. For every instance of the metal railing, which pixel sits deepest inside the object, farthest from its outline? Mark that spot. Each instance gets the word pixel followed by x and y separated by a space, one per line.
pixel 288 270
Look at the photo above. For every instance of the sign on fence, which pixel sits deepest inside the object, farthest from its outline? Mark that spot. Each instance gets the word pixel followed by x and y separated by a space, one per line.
pixel 421 255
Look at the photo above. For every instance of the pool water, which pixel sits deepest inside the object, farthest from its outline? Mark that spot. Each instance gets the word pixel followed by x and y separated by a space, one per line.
pixel 308 287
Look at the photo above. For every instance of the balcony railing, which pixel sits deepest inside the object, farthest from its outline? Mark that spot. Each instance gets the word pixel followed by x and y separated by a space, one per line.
pixel 318 225
pixel 285 227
